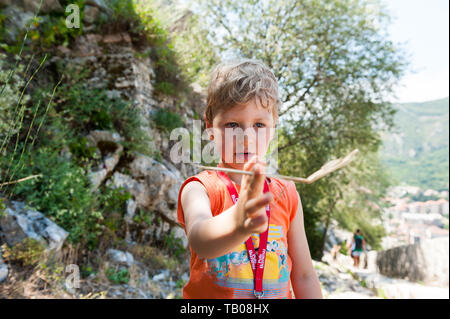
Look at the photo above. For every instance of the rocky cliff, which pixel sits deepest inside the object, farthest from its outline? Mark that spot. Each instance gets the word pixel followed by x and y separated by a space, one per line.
pixel 426 262
pixel 119 63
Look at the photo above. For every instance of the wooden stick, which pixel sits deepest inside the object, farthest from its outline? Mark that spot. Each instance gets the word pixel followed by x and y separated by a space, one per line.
pixel 326 169
pixel 21 180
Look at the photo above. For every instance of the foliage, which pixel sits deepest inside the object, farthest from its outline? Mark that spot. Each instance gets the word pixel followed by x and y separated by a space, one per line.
pixel 174 245
pixel 27 253
pixel 79 110
pixel 50 30
pixel 416 153
pixel 63 193
pixel 154 258
pixel 189 36
pixel 113 203
pixel 11 101
pixel 361 203
pixel 121 276
pixel 85 109
pixel 58 150
pixel 139 18
pixel 142 217
pixel 343 250
pixel 166 120
pixel 43 32
pixel 86 271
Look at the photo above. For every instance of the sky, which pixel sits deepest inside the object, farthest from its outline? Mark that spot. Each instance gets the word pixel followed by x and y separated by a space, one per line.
pixel 423 27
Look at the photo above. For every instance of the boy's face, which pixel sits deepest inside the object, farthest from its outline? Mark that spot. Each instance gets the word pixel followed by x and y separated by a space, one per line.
pixel 243 131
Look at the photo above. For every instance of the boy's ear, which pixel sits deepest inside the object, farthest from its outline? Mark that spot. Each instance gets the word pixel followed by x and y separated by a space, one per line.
pixel 208 125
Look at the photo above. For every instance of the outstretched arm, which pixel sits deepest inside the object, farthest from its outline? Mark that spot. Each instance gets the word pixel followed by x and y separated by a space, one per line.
pixel 211 237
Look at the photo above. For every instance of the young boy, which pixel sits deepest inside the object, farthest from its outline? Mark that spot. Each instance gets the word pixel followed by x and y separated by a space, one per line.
pixel 229 216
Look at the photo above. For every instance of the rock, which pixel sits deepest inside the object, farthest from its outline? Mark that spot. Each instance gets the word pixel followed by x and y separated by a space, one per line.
pixel 131 209
pixel 96 178
pixel 180 233
pixel 144 279
pixel 118 37
pixel 31 6
pixel 392 288
pixel 3 267
pixel 163 184
pixel 11 229
pixel 91 13
pixel 16 21
pixel 350 295
pixel 426 261
pixel 46 7
pixel 120 257
pixel 3 271
pixel 21 222
pixel 185 277
pixel 97 136
pixel 139 191
pixel 108 143
pixel 87 45
pixel 338 283
pixel 371 260
pixel 161 276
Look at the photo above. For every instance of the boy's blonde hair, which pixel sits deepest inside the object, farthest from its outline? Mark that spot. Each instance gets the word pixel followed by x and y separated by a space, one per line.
pixel 238 81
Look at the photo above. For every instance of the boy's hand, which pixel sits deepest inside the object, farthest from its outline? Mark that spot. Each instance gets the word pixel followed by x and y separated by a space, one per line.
pixel 250 210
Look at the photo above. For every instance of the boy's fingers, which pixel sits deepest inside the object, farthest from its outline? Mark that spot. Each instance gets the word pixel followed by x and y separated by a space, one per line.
pixel 255 204
pixel 257 223
pixel 248 167
pixel 256 183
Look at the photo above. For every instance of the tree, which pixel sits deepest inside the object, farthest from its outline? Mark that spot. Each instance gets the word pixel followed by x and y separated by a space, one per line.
pixel 336 67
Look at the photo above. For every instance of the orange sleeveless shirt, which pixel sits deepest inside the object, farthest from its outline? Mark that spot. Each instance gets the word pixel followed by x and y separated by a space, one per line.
pixel 231 276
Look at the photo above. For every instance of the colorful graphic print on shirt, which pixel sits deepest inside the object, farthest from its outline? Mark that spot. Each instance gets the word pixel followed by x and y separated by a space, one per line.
pixel 234 270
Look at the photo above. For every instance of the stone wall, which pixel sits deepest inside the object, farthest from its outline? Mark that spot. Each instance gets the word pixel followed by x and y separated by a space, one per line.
pixel 426 262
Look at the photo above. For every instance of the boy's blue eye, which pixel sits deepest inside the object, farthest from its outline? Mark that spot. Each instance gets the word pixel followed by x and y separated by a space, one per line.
pixel 231 124
pixel 234 124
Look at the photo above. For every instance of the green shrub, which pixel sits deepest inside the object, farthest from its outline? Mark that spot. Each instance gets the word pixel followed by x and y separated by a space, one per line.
pixel 85 109
pixel 81 150
pixel 143 217
pixel 2 207
pixel 140 20
pixel 113 204
pixel 174 245
pixel 11 85
pixel 43 32
pixel 27 253
pixel 343 250
pixel 121 276
pixel 166 120
pixel 165 87
pixel 62 194
pixel 86 271
pixel 153 257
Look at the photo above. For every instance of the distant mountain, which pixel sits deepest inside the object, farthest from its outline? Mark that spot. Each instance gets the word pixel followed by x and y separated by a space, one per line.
pixel 417 153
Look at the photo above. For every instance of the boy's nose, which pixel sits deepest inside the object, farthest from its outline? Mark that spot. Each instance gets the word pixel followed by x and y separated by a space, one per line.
pixel 249 143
